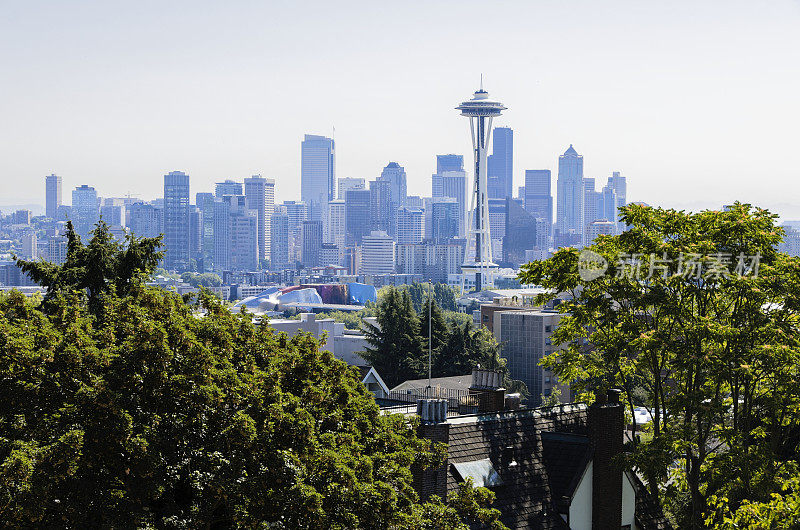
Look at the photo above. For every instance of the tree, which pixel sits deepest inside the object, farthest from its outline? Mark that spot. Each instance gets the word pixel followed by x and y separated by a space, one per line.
pixel 698 313
pixel 205 279
pixel 103 267
pixel 140 414
pixel 395 344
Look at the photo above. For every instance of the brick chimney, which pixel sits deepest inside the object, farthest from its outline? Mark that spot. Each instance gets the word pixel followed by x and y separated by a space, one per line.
pixel 606 427
pixel 487 387
pixel 433 426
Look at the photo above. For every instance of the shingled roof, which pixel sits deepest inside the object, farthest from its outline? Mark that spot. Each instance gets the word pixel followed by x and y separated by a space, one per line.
pixel 540 456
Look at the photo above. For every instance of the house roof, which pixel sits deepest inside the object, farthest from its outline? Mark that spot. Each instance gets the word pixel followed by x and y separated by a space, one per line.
pixel 539 456
pixel 566 456
pixel 458 382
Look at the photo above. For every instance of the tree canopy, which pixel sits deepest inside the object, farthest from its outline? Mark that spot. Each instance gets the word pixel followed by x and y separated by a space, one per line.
pixel 399 343
pixel 141 413
pixel 695 316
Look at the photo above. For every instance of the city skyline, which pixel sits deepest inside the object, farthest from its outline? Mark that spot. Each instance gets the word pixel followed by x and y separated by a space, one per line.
pixel 623 107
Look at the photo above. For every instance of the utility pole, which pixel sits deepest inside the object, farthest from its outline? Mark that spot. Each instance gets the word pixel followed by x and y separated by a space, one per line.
pixel 430 329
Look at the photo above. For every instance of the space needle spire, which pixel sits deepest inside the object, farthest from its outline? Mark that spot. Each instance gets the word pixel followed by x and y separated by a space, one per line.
pixel 478 261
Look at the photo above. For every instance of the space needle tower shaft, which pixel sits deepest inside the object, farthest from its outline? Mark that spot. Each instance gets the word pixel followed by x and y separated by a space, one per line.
pixel 478 261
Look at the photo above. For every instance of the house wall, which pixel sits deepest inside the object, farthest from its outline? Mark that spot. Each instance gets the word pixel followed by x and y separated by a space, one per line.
pixel 345 347
pixel 628 503
pixel 580 510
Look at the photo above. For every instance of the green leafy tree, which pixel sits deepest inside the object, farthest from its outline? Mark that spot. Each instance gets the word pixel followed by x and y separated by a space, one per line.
pixel 141 414
pixel 205 279
pixel 689 329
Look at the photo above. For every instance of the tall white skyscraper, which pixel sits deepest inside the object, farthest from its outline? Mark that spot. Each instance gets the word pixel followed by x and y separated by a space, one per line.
pixel 569 198
pixel 317 174
pixel 260 194
pixel 336 223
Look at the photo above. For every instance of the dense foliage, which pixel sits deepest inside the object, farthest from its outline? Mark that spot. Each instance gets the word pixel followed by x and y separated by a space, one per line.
pixel 399 342
pixel 141 413
pixel 696 318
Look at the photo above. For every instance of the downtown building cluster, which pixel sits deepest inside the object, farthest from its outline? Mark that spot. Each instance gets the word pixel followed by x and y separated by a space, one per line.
pixel 348 226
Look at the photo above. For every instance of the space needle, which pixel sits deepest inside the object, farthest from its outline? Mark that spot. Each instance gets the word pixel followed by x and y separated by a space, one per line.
pixel 478 254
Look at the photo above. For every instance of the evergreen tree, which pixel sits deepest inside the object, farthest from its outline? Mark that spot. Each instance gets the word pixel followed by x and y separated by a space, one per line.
pixel 395 344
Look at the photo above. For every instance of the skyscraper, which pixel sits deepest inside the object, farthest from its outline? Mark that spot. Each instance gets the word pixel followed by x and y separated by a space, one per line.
pixel 395 175
pixel 350 183
pixel 317 174
pixel 260 194
pixel 235 234
pixel 279 239
pixel 592 205
pixel 539 199
pixel 569 198
pixel 478 256
pixel 297 212
pixel 520 233
pixel 449 163
pixel 500 164
pixel 445 214
pixel 377 253
pixel 453 184
pixel 410 225
pixel 176 220
pixel 357 216
pixel 85 210
pixel 146 220
pixel 336 223
pixel 620 186
pixel 381 209
pixel 312 243
pixel 228 187
pixel 52 195
pixel 205 202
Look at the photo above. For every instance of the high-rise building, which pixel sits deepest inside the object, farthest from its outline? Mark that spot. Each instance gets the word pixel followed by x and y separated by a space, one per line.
pixel 381 210
pixel 146 220
pixel 449 163
pixel 312 243
pixel 599 227
pixel 195 234
pixel 317 174
pixel 205 202
pixel 453 184
pixel 410 225
pixel 228 187
pixel 478 261
pixel 350 183
pixel 85 210
pixel 176 220
pixel 520 233
pixel 592 205
pixel 500 164
pixel 539 200
pixel 235 234
pixel 357 216
pixel 330 255
pixel 497 220
pixel 445 214
pixel 395 175
pixel 620 187
pixel 569 198
pixel 297 212
pixel 30 246
pixel 525 338
pixel 337 229
pixel 113 212
pixel 279 235
pixel 52 185
pixel 433 261
pixel 377 253
pixel 260 194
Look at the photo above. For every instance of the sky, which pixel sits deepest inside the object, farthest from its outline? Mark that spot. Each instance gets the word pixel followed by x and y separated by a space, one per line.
pixel 696 103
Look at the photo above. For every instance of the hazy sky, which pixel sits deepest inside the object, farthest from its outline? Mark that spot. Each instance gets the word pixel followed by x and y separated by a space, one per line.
pixel 697 103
